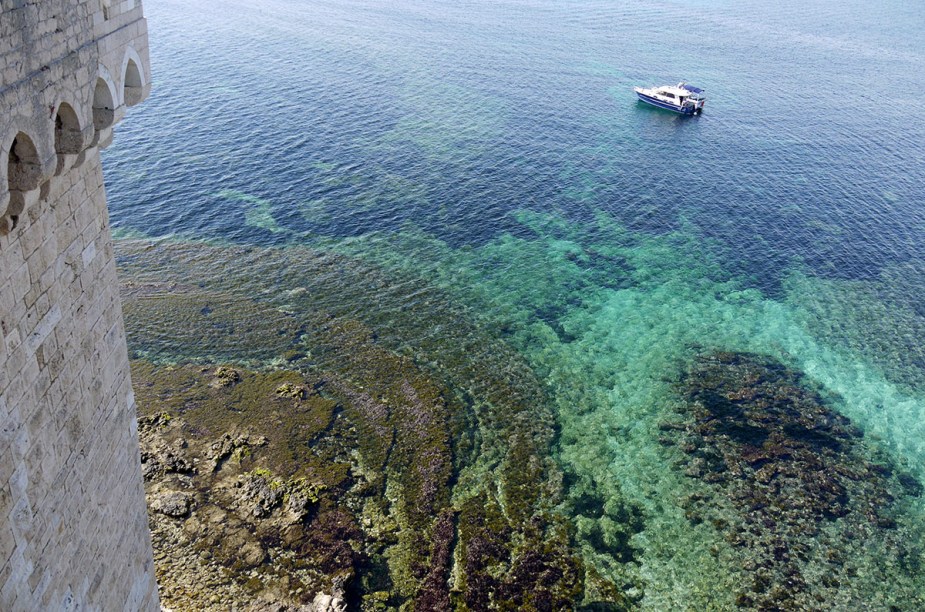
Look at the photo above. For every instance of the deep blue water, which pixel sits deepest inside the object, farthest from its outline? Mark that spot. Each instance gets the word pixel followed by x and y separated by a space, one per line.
pixel 810 147
pixel 496 150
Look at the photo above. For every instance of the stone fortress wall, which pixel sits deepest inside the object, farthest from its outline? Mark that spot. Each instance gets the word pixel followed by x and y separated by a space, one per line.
pixel 73 523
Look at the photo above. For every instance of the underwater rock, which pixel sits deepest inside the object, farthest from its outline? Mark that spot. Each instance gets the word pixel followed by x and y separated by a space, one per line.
pixel 796 475
pixel 166 319
pixel 911 486
pixel 434 595
pixel 404 425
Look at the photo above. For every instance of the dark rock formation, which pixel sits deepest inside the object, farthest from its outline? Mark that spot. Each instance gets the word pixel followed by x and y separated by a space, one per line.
pixel 792 484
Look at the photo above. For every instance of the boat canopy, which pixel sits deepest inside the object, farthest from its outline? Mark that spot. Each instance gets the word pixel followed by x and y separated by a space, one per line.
pixel 692 89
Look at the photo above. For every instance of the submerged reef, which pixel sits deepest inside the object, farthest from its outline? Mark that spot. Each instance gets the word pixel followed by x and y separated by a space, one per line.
pixel 865 317
pixel 327 431
pixel 423 459
pixel 814 515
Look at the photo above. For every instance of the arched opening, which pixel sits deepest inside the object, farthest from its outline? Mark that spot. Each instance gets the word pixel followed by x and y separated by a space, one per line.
pixel 68 139
pixel 133 83
pixel 103 105
pixel 107 9
pixel 24 173
pixel 24 169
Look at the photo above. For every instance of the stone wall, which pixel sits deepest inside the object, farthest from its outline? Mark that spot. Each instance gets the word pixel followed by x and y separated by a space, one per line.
pixel 73 523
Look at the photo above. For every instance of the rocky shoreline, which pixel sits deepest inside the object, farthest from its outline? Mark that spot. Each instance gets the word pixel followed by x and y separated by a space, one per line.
pixel 324 452
pixel 225 529
pixel 433 461
pixel 277 491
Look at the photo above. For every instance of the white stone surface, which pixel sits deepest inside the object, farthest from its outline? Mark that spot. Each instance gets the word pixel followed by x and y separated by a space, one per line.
pixel 73 522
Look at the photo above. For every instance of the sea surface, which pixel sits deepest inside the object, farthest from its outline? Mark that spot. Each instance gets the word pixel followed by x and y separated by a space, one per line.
pixel 493 151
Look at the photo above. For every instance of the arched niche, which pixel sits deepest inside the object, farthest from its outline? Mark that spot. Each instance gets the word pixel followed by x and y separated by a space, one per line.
pixel 24 175
pixel 69 139
pixel 133 83
pixel 24 168
pixel 104 105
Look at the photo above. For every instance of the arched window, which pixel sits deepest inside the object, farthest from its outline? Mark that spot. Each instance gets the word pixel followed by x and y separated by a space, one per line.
pixel 103 105
pixel 133 84
pixel 24 173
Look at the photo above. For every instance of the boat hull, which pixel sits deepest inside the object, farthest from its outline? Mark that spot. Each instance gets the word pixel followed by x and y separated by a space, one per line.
pixel 682 110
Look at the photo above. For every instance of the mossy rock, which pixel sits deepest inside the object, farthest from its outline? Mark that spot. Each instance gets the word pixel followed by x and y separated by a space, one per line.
pixel 402 417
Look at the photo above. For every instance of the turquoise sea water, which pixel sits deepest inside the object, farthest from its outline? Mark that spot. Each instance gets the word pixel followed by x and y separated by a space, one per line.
pixel 495 151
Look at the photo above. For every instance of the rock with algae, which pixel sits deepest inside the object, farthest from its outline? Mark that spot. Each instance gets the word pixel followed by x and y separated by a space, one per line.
pixel 440 478
pixel 226 526
pixel 815 516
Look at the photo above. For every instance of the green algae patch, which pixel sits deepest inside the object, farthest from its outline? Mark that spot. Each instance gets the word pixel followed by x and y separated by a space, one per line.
pixel 429 417
pixel 214 401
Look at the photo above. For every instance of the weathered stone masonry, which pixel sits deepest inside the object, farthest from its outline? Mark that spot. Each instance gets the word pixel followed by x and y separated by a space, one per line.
pixel 73 524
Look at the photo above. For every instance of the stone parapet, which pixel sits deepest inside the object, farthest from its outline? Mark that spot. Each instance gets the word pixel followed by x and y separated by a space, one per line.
pixel 73 522
pixel 68 74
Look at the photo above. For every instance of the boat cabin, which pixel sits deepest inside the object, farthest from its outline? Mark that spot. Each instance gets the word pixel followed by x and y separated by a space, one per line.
pixel 682 98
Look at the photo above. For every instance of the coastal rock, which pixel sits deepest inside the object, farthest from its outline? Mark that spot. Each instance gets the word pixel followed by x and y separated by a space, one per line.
pixel 158 456
pixel 251 554
pixel 226 376
pixel 236 532
pixel 327 603
pixel 173 504
pixel 263 605
pixel 290 390
pixel 300 497
pixel 231 445
pixel 259 493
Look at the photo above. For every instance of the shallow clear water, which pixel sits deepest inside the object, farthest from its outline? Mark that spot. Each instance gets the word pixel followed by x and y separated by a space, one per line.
pixel 495 151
